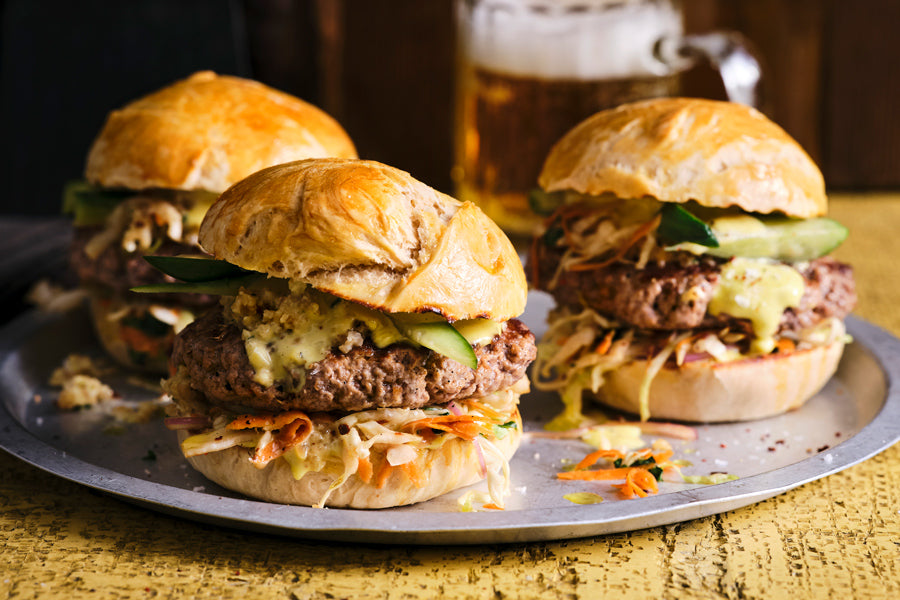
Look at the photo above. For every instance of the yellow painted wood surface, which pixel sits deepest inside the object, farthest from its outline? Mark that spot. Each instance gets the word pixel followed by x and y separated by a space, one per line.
pixel 838 537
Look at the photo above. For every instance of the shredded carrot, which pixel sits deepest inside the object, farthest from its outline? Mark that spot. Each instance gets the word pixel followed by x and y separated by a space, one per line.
pixel 642 231
pixel 383 473
pixel 268 421
pixel 604 346
pixel 293 428
pixel 661 457
pixel 598 475
pixel 464 426
pixel 596 455
pixel 785 346
pixel 414 473
pixel 638 482
pixel 140 341
pixel 364 469
pixel 484 408
pixel 492 506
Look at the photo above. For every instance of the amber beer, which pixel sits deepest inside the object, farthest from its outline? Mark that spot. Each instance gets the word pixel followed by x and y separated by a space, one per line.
pixel 526 77
pixel 512 122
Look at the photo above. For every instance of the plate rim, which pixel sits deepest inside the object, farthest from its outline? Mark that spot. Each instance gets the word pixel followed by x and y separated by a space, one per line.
pixel 520 525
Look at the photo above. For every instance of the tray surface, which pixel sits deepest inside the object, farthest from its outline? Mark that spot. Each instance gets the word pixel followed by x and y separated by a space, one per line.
pixel 856 416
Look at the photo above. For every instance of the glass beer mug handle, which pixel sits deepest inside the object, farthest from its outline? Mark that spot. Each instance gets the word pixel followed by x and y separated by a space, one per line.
pixel 728 52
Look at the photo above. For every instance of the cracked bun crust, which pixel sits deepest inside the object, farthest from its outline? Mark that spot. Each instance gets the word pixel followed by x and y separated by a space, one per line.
pixel 371 234
pixel 207 132
pixel 719 154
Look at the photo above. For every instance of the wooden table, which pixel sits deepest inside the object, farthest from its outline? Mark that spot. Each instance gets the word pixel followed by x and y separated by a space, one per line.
pixel 837 537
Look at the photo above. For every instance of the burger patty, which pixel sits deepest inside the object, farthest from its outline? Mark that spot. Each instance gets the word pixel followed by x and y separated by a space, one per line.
pixel 118 270
pixel 398 376
pixel 655 297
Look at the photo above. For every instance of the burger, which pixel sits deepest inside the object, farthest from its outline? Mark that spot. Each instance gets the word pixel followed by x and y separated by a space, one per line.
pixel 364 353
pixel 686 248
pixel 152 172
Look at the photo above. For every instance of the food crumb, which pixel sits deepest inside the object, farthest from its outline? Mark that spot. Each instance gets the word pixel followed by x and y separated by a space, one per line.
pixel 52 298
pixel 83 391
pixel 76 364
pixel 822 448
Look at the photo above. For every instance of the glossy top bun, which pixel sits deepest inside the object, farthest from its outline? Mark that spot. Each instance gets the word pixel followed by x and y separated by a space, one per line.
pixel 679 149
pixel 371 234
pixel 207 132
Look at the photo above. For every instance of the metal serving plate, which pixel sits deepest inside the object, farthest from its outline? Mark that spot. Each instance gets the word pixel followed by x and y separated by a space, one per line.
pixel 856 416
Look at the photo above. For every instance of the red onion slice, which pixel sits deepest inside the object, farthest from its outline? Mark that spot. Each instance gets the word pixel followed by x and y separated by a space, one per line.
pixel 192 422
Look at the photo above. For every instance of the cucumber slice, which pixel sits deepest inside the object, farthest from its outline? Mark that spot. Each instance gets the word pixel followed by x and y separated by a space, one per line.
pixel 544 203
pixel 678 225
pixel 784 239
pixel 219 287
pixel 195 269
pixel 439 336
pixel 90 205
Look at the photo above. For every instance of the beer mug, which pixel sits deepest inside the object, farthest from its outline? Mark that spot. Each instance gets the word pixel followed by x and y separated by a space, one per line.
pixel 530 70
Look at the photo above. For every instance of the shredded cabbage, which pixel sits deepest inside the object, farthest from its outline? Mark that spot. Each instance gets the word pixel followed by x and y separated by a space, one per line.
pixel 379 436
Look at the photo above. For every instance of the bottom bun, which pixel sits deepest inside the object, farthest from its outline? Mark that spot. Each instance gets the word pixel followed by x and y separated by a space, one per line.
pixel 453 465
pixel 129 346
pixel 733 391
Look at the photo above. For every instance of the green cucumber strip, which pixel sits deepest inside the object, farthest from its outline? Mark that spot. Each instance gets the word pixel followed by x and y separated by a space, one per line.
pixel 678 225
pixel 195 270
pixel 439 336
pixel 219 287
pixel 90 205
pixel 544 203
pixel 778 238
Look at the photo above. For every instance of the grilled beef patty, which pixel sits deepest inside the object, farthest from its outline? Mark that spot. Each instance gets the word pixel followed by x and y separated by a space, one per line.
pixel 366 377
pixel 655 297
pixel 118 270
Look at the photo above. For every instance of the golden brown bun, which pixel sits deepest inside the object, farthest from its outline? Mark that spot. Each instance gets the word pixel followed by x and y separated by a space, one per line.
pixel 733 391
pixel 679 149
pixel 106 314
pixel 454 465
pixel 207 132
pixel 371 234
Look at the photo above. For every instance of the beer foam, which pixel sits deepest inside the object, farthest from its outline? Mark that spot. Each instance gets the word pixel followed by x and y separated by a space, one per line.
pixel 577 39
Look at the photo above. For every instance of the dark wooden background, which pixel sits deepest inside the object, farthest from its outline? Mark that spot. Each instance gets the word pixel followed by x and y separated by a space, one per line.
pixel 384 68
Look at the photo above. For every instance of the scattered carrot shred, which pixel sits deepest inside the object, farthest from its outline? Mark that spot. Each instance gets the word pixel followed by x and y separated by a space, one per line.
pixel 641 231
pixel 383 473
pixel 292 427
pixel 596 475
pixel 414 473
pixel 592 458
pixel 140 341
pixel 466 427
pixel 785 346
pixel 364 469
pixel 638 480
pixel 604 346
pixel 484 408
pixel 492 506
